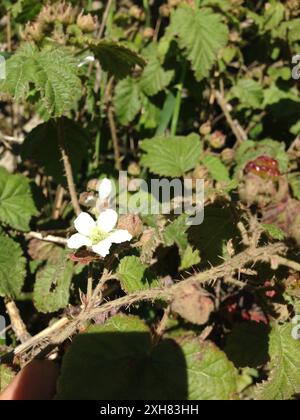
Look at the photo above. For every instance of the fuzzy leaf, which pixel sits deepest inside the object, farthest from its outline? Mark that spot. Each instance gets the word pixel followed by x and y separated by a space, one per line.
pixel 52 286
pixel 216 168
pixel 122 352
pixel 284 379
pixel 16 202
pixel 127 100
pixel 189 258
pixel 201 34
pixel 171 156
pixel 42 146
pixel 249 92
pixel 134 275
pixel 12 268
pixel 53 73
pixel 154 78
pixel 115 58
pixel 6 376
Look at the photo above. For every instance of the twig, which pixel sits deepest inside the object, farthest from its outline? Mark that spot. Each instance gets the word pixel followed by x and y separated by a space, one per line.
pixel 46 238
pixel 68 167
pixel 59 196
pixel 104 19
pixel 114 137
pixel 17 323
pixel 235 126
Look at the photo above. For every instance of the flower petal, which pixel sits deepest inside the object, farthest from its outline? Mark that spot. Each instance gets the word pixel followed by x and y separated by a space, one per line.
pixel 77 241
pixel 105 189
pixel 84 224
pixel 103 247
pixel 120 236
pixel 107 220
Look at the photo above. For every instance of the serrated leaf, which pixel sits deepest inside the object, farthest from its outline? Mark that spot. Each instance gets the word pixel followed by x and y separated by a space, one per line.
pixel 189 258
pixel 284 379
pixel 53 74
pixel 249 92
pixel 274 231
pixel 52 286
pixel 127 101
pixel 134 368
pixel 294 180
pixel 134 275
pixel 155 78
pixel 176 233
pixel 171 156
pixel 12 268
pixel 201 34
pixel 42 146
pixel 16 202
pixel 116 58
pixel 6 376
pixel 216 168
pixel 247 345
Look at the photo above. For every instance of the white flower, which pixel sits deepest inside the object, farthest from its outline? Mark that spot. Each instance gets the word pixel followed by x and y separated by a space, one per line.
pixel 105 189
pixel 98 235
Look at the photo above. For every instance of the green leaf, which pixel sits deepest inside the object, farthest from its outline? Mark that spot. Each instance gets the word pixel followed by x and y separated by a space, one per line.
pixel 122 352
pixel 211 376
pixel 247 345
pixel 249 92
pixel 175 233
pixel 12 268
pixel 154 78
pixel 171 156
pixel 284 379
pixel 127 101
pixel 274 231
pixel 216 168
pixel 53 74
pixel 16 202
pixel 201 34
pixel 134 275
pixel 115 58
pixel 52 286
pixel 294 180
pixel 189 258
pixel 6 376
pixel 42 146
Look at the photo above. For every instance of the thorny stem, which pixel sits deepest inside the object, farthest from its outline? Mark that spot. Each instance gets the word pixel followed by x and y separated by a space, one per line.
pixel 65 328
pixel 67 166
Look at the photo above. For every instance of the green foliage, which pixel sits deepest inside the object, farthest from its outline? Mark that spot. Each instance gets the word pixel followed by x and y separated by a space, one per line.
pixel 134 275
pixel 127 100
pixel 6 376
pixel 16 202
pixel 216 168
pixel 12 268
pixel 42 146
pixel 124 345
pixel 115 58
pixel 249 92
pixel 154 78
pixel 52 286
pixel 53 73
pixel 171 156
pixel 201 34
pixel 284 381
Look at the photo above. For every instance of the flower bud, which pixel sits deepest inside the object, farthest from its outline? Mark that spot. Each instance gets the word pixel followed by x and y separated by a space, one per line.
pixel 33 32
pixel 148 33
pixel 164 10
pixel 217 140
pixel 205 129
pixel 134 169
pixel 87 23
pixel 228 155
pixel 132 223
